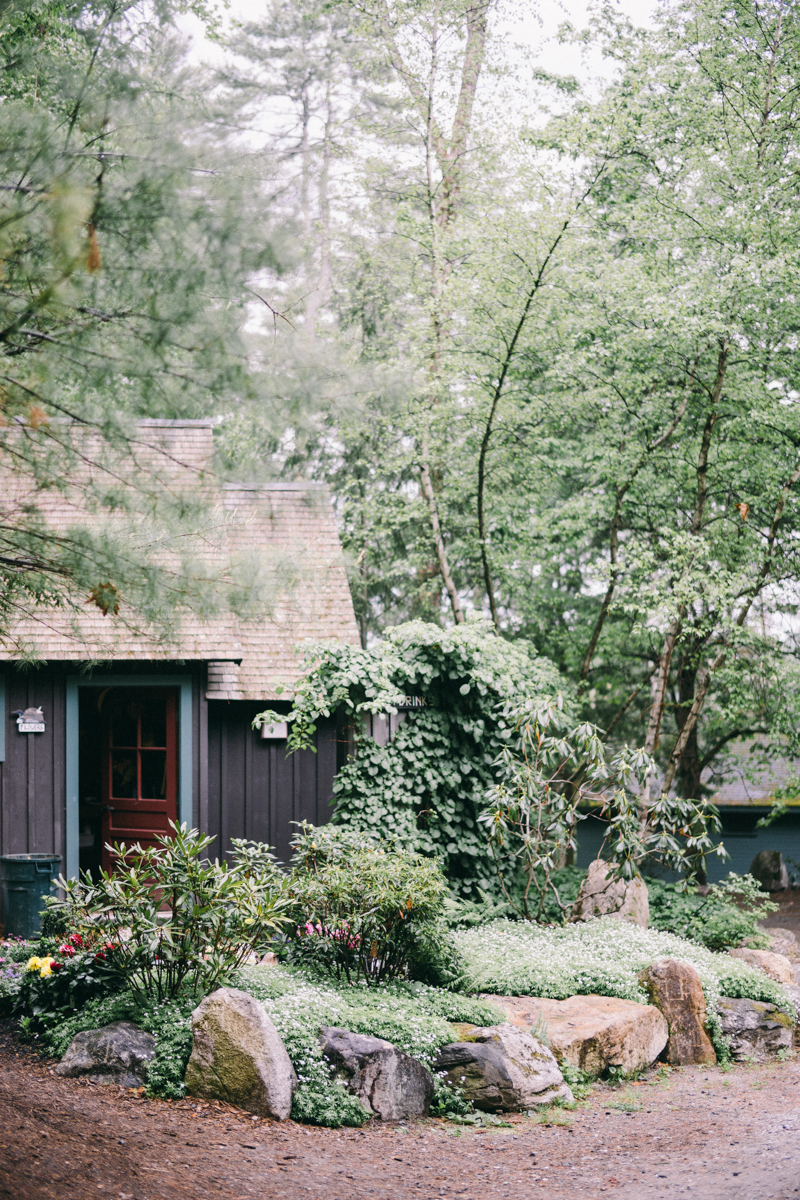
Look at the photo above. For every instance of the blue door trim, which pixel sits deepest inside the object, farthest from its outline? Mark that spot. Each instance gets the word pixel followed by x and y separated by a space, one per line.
pixel 184 684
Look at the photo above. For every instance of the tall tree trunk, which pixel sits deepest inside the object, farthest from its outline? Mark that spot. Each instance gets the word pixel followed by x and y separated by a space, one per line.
pixel 676 625
pixel 688 776
pixel 445 157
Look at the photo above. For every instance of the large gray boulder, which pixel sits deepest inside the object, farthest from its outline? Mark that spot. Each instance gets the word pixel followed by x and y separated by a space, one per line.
pixel 756 1030
pixel 601 895
pixel 119 1053
pixel 502 1069
pixel 769 869
pixel 238 1056
pixel 388 1082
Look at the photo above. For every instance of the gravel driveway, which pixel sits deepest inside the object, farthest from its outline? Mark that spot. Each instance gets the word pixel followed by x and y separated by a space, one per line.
pixel 697 1131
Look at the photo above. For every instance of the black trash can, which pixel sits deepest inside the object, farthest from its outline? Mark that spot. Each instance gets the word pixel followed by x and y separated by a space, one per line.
pixel 24 884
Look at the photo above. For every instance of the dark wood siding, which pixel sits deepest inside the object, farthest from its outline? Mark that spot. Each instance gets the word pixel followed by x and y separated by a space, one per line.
pixel 32 779
pixel 243 786
pixel 33 776
pixel 255 790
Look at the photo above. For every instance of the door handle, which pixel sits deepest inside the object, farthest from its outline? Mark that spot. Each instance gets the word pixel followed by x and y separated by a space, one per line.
pixel 108 808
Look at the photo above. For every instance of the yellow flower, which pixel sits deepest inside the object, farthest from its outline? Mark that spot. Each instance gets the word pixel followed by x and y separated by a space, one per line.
pixel 34 964
pixel 46 964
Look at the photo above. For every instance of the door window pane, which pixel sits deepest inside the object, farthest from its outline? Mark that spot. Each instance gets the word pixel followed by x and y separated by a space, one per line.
pixel 123 774
pixel 154 774
pixel 123 725
pixel 154 723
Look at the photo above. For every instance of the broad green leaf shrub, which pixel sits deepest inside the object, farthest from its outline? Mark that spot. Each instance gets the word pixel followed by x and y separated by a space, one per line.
pixel 726 916
pixel 412 1016
pixel 168 921
pixel 601 957
pixel 366 912
pixel 426 787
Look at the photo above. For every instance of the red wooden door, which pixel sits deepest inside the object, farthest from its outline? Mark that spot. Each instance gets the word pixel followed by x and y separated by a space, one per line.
pixel 140 767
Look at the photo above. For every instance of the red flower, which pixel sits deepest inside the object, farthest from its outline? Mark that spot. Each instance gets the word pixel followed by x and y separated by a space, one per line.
pixel 66 950
pixel 56 966
pixel 76 939
pixel 99 956
pixel 110 946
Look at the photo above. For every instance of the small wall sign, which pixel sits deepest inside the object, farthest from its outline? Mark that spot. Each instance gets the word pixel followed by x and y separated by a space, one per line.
pixel 276 732
pixel 29 720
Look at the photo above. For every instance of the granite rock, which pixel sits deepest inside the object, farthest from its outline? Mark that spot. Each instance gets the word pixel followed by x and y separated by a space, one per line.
pixel 775 965
pixel 593 1033
pixel 119 1053
pixel 769 869
pixel 238 1056
pixel 756 1030
pixel 502 1069
pixel 601 896
pixel 676 991
pixel 388 1082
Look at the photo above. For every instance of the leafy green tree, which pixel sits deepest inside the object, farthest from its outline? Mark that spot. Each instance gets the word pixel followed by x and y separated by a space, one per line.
pixel 670 412
pixel 593 320
pixel 123 286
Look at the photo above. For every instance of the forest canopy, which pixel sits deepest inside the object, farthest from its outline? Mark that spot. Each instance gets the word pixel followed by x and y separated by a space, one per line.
pixel 537 333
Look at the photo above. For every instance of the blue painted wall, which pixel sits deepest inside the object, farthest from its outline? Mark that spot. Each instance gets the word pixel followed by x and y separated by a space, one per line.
pixel 741 839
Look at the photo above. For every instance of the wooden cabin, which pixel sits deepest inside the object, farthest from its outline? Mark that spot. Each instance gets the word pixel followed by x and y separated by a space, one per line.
pixel 135 730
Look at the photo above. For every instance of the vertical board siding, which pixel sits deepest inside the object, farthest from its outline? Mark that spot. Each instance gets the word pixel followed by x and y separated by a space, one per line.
pixel 33 778
pixel 254 790
pixel 33 791
pixel 200 742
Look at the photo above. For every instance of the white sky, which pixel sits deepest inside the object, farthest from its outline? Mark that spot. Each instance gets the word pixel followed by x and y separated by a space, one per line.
pixel 535 26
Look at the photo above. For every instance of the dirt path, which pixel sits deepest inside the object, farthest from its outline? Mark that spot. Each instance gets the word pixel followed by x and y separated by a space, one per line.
pixel 700 1132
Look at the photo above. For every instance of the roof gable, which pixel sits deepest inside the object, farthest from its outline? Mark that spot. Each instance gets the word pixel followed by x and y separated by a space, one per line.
pixel 279 538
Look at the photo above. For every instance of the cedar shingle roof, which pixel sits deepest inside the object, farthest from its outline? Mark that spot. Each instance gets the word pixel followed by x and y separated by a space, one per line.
pixel 281 537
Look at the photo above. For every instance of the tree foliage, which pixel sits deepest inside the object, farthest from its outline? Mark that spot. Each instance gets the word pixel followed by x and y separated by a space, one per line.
pixel 596 321
pixel 124 260
pixel 546 774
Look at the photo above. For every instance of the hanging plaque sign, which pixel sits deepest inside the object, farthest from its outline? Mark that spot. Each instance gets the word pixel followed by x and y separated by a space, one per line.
pixel 30 720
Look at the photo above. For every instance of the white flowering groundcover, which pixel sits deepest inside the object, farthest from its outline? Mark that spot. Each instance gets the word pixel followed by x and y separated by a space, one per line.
pixel 602 957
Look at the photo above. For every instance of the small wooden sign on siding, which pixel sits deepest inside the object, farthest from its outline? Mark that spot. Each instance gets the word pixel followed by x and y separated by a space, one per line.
pixel 30 720
pixel 276 732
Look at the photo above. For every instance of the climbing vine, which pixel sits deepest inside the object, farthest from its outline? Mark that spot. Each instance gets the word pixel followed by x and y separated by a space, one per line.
pixel 427 785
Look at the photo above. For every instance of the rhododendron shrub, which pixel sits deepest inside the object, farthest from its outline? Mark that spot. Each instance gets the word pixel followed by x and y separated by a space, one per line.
pixel 169 921
pixel 360 910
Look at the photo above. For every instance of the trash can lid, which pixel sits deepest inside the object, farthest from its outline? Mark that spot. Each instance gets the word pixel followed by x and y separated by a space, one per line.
pixel 30 857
